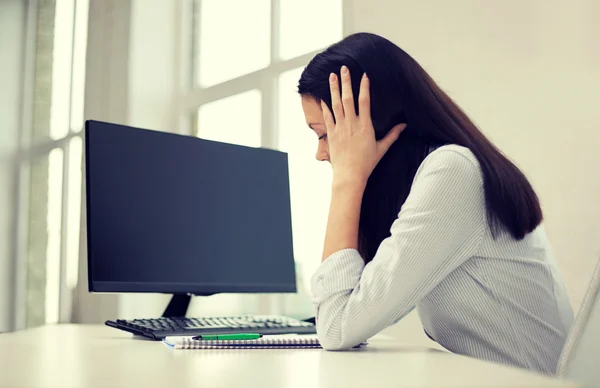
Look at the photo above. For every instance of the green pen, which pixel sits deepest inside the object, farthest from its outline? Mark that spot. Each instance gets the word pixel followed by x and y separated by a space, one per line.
pixel 241 336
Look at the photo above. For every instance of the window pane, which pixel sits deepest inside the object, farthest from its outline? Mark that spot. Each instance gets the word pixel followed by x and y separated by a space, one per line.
pixel 310 180
pixel 37 243
pixel 42 79
pixel 296 37
pixel 54 220
pixel 73 211
pixel 44 240
pixel 235 119
pixel 235 39
pixel 61 69
pixel 79 52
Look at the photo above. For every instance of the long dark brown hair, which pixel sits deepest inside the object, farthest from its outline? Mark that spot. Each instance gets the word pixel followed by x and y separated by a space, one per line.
pixel 402 92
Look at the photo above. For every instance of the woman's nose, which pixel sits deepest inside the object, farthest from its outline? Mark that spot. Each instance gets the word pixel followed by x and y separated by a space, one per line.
pixel 322 155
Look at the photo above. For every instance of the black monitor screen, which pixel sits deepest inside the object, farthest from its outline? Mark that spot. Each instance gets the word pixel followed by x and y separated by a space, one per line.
pixel 177 214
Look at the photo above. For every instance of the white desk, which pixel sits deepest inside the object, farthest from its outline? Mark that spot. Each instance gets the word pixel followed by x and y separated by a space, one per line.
pixel 97 356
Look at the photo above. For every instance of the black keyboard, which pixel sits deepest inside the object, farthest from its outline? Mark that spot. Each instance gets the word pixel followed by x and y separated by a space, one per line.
pixel 158 328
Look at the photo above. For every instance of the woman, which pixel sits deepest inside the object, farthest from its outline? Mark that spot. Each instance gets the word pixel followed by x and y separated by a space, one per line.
pixel 427 213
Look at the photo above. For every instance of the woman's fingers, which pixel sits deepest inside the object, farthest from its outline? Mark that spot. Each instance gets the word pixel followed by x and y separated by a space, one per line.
pixel 336 102
pixel 328 117
pixel 347 98
pixel 384 144
pixel 364 100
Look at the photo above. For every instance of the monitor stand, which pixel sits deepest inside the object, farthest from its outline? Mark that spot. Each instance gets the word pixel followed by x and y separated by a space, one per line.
pixel 178 305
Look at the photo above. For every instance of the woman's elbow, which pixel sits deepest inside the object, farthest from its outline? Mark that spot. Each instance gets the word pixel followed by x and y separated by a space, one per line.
pixel 336 345
pixel 337 331
pixel 333 346
pixel 334 340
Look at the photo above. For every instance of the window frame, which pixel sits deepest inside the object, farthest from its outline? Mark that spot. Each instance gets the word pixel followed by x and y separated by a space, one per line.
pixel 192 96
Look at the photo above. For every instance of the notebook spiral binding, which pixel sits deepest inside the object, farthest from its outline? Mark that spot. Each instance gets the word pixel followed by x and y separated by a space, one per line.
pixel 271 343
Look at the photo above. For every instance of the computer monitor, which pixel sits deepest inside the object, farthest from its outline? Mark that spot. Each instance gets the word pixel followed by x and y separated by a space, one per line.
pixel 168 213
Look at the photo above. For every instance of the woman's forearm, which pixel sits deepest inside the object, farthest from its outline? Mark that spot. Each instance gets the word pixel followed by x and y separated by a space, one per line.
pixel 344 215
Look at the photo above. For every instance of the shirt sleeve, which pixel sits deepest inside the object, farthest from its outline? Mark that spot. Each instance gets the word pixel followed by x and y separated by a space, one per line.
pixel 439 227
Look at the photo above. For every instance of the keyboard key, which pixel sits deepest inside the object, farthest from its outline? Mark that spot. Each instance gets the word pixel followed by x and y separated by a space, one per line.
pixel 212 327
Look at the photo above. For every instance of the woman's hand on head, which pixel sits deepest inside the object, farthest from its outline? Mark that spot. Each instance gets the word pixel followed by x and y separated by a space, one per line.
pixel 354 151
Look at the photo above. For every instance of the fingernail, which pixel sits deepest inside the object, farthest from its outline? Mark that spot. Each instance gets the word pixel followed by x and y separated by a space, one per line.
pixel 344 70
pixel 365 76
pixel 332 77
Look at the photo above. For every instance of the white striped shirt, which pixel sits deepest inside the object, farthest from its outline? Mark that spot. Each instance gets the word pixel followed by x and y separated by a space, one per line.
pixel 500 300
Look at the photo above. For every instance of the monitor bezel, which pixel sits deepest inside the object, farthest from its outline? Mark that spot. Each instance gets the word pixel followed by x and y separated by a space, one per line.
pixel 98 286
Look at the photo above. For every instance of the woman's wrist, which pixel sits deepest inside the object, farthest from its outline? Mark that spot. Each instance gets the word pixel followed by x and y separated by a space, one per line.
pixel 344 215
pixel 345 185
pixel 348 184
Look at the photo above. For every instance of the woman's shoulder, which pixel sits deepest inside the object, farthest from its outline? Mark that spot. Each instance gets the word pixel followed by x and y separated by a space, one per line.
pixel 452 152
pixel 452 158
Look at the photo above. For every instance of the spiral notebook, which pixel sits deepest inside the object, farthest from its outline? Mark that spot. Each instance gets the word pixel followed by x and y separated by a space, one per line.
pixel 266 342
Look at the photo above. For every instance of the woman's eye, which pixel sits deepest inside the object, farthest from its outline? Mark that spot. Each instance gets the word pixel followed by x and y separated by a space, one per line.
pixel 323 137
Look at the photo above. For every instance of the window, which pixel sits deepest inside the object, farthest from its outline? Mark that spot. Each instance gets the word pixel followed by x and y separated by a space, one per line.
pixel 51 166
pixel 234 119
pixel 308 25
pixel 234 39
pixel 247 59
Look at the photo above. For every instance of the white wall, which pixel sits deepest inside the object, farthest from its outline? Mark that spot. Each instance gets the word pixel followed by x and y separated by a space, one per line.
pixel 12 41
pixel 528 73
